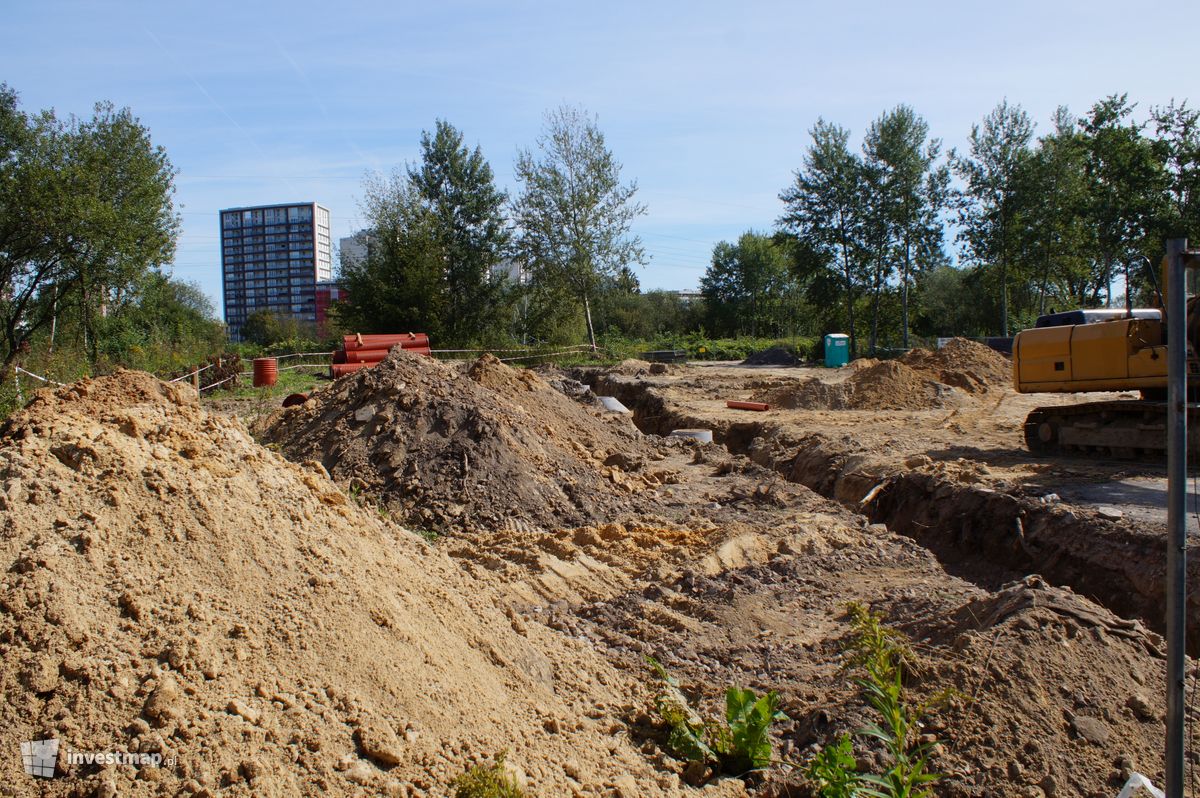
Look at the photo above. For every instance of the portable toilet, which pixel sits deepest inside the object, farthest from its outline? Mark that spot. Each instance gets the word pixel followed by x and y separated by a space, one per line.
pixel 837 350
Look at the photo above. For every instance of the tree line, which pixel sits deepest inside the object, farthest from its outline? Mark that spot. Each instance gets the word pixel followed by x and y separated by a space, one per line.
pixel 1038 223
pixel 893 238
pixel 450 253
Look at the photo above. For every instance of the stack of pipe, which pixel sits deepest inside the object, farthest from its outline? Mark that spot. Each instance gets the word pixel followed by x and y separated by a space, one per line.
pixel 360 351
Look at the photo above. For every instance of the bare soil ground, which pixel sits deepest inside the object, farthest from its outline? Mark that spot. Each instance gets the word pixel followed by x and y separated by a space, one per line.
pixel 272 625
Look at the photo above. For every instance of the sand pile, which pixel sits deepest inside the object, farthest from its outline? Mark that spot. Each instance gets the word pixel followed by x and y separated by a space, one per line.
pixel 1066 697
pixel 920 380
pixel 631 366
pixel 963 364
pixel 170 587
pixel 888 385
pixel 454 450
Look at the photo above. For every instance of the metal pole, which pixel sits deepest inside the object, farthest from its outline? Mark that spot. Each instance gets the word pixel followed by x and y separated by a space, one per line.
pixel 1176 511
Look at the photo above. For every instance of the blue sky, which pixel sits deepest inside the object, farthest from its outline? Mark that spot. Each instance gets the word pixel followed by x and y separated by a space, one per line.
pixel 706 104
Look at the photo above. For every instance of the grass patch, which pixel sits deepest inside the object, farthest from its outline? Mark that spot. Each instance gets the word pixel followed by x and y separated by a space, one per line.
pixel 292 381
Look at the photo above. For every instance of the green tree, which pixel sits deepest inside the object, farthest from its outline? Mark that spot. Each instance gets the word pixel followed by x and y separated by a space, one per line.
pixel 1178 146
pixel 908 189
pixel 469 229
pixel 265 327
pixel 1126 187
pixel 401 282
pixel 1057 238
pixel 435 230
pixel 824 214
pixel 991 198
pixel 162 323
pixel 85 211
pixel 951 302
pixel 746 284
pixel 574 214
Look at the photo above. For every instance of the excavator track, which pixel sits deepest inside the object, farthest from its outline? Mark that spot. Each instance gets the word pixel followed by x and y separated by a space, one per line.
pixel 1130 429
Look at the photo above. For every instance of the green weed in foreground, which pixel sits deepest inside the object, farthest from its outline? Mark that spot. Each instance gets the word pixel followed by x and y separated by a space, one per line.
pixel 737 745
pixel 487 781
pixel 883 654
pixel 832 771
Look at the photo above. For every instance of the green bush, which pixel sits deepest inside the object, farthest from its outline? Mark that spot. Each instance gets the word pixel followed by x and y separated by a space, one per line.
pixel 832 770
pixel 700 347
pixel 487 781
pixel 290 346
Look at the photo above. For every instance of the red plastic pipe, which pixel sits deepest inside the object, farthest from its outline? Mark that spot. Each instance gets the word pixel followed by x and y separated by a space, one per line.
pixel 341 369
pixel 747 405
pixel 405 340
pixel 365 355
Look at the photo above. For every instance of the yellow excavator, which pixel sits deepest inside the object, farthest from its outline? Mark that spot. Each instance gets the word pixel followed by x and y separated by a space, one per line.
pixel 1091 351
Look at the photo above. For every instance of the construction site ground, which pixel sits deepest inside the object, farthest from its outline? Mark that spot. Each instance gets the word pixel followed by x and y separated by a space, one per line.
pixel 284 631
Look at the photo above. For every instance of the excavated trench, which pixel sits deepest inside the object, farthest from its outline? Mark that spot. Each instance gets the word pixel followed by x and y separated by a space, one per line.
pixel 979 534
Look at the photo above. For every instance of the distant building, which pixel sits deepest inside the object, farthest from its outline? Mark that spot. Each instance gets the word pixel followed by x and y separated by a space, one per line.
pixel 354 248
pixel 510 270
pixel 688 295
pixel 327 294
pixel 272 257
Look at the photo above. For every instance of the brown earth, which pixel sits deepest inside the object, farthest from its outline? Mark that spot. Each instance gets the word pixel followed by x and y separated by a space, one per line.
pixel 453 449
pixel 171 586
pixel 958 481
pixel 963 364
pixel 888 385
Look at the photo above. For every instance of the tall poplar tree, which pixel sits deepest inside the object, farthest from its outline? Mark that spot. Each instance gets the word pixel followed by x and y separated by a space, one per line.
pixel 823 211
pixel 574 215
pixel 909 189
pixel 990 201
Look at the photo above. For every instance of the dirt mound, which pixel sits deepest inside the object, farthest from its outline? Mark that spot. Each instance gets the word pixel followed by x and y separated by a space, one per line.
pixel 963 364
pixel 775 356
pixel 170 587
pixel 1047 672
pixel 458 450
pixel 858 364
pixel 888 385
pixel 920 380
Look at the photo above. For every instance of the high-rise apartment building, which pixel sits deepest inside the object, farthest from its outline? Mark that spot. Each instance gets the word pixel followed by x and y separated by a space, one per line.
pixel 272 257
